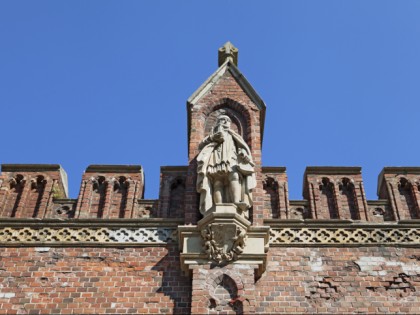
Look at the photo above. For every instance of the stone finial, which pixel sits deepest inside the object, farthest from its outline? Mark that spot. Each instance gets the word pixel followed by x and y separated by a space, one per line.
pixel 228 52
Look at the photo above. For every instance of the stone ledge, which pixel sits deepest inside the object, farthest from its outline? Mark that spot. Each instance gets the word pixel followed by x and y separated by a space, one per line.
pixel 64 200
pixel 400 170
pixel 333 170
pixel 114 169
pixel 351 224
pixel 91 223
pixel 273 169
pixel 30 167
pixel 379 202
pixel 301 203
pixel 181 168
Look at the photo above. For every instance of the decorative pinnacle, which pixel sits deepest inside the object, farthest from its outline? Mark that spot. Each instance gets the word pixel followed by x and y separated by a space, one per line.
pixel 228 52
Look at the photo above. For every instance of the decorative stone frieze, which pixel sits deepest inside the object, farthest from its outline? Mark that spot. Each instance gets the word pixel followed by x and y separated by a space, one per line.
pixel 343 233
pixel 87 233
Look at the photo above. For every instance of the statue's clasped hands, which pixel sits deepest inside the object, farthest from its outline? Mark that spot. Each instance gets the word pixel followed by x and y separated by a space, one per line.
pixel 244 157
pixel 218 137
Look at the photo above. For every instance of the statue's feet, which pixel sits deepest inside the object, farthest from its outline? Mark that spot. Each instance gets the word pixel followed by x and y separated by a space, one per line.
pixel 243 209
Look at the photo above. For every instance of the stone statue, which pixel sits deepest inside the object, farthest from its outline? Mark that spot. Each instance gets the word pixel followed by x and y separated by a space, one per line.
pixel 225 169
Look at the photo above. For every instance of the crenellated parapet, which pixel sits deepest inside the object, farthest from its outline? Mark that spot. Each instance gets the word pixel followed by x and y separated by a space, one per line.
pixel 116 192
pixel 276 193
pixel 28 190
pixel 335 193
pixel 401 187
pixel 110 191
pixel 172 191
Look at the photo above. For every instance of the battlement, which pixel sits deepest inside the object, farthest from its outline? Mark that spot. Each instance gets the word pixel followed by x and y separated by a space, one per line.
pixel 116 191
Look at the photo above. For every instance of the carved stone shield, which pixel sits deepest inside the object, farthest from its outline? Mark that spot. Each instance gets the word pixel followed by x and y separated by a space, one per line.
pixel 223 242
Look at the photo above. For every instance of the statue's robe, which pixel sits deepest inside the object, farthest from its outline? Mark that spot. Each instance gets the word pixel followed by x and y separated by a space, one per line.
pixel 220 159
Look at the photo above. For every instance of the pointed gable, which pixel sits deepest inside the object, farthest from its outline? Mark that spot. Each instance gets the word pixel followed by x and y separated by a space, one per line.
pixel 225 92
pixel 228 83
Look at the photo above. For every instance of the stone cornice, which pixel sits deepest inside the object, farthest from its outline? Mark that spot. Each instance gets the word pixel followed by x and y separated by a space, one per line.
pixel 400 170
pixel 333 170
pixel 114 169
pixel 64 200
pixel 299 202
pixel 380 202
pixel 180 168
pixel 273 169
pixel 30 167
pixel 92 223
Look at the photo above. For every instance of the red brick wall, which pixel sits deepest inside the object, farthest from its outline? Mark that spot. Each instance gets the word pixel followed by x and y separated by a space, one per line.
pixel 148 280
pixel 226 290
pixel 92 280
pixel 340 280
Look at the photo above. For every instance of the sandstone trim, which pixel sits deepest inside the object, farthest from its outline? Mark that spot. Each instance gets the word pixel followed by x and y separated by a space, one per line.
pixel 341 233
pixel 81 233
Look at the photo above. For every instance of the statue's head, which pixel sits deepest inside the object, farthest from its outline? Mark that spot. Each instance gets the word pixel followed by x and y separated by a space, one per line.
pixel 224 121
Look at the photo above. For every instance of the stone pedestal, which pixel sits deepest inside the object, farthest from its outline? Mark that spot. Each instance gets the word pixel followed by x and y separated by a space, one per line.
pixel 222 237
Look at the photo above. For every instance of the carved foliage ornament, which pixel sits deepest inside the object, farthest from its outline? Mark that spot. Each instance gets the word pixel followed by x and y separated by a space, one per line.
pixel 223 242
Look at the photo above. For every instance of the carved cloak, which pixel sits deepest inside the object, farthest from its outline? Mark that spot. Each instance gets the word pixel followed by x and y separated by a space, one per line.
pixel 204 186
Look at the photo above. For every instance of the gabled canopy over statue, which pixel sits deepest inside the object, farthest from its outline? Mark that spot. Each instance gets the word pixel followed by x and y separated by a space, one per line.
pixel 225 169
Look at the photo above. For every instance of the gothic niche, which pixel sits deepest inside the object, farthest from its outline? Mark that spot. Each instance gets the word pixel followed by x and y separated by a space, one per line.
pixel 408 198
pixel 224 298
pixel 121 185
pixel 16 185
pixel 37 191
pixel 237 123
pixel 328 194
pixel 99 185
pixel 271 198
pixel 225 170
pixel 176 199
pixel 347 189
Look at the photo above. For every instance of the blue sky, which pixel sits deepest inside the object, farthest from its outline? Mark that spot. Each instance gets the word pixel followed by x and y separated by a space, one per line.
pixel 106 82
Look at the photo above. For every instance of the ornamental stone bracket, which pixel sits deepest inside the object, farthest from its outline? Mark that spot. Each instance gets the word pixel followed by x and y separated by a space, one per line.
pixel 223 236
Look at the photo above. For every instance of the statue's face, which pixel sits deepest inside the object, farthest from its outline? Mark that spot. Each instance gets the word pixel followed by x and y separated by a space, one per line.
pixel 224 121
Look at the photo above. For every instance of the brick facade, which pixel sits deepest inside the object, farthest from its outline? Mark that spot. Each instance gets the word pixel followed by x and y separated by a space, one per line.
pixel 45 280
pixel 112 251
